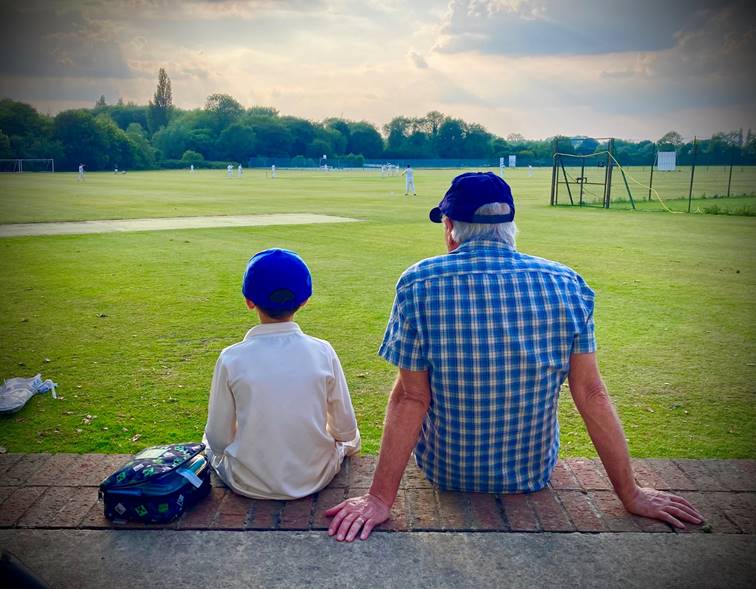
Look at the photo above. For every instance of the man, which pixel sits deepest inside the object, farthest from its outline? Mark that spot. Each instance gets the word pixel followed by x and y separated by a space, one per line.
pixel 483 338
pixel 80 177
pixel 409 180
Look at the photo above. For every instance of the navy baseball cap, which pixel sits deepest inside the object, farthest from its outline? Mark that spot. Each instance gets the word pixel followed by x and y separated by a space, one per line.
pixel 470 191
pixel 277 280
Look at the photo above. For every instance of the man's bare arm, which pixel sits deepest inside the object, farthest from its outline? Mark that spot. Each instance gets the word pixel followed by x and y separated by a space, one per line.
pixel 604 427
pixel 407 406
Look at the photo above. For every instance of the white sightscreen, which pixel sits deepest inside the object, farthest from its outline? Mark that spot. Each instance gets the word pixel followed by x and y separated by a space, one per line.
pixel 666 161
pixel 512 161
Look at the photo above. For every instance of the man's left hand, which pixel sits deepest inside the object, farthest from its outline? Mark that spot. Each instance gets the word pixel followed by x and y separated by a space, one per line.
pixel 355 514
pixel 667 507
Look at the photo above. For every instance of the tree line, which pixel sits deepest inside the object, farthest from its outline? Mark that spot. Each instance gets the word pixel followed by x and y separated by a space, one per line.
pixel 158 134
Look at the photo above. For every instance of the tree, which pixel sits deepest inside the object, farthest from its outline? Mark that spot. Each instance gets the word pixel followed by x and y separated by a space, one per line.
pixel 515 138
pixel 364 139
pixel 302 133
pixel 451 138
pixel 672 138
pixel 237 142
pixel 159 110
pixel 101 102
pixel 224 110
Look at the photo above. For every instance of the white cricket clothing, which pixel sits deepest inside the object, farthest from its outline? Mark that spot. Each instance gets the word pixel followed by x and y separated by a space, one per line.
pixel 280 419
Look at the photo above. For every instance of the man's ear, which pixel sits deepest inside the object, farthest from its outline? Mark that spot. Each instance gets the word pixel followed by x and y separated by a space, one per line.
pixel 250 304
pixel 451 245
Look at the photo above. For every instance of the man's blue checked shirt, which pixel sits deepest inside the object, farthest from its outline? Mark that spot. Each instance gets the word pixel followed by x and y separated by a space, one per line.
pixel 495 329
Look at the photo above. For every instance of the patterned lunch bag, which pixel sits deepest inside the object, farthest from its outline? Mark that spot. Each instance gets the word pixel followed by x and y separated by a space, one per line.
pixel 157 485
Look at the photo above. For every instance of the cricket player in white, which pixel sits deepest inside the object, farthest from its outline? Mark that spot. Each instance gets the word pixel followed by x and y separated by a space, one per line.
pixel 273 171
pixel 80 178
pixel 239 170
pixel 229 171
pixel 409 180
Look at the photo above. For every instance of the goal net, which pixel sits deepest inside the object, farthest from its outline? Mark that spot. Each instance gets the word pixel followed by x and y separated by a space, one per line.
pixel 19 165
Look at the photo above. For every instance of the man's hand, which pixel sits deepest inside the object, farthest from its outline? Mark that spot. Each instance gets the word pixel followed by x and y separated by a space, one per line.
pixel 663 506
pixel 357 513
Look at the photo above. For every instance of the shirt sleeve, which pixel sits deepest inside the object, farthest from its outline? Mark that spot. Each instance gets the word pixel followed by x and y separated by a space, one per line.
pixel 221 414
pixel 402 345
pixel 341 422
pixel 585 339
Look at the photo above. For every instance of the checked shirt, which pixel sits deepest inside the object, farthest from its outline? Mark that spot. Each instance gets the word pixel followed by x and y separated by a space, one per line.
pixel 495 329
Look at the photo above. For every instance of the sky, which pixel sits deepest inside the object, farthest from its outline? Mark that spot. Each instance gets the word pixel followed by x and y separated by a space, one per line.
pixel 620 68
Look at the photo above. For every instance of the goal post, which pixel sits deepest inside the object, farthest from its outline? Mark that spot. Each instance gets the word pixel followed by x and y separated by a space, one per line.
pixel 19 165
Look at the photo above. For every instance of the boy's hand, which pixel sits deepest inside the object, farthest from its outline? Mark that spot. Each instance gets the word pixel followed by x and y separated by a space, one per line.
pixel 357 513
pixel 666 507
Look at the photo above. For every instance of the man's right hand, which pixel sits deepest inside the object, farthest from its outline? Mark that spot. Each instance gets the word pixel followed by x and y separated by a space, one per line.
pixel 355 514
pixel 666 507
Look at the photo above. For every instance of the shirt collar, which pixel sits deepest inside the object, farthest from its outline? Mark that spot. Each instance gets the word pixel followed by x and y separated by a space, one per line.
pixel 284 327
pixel 483 244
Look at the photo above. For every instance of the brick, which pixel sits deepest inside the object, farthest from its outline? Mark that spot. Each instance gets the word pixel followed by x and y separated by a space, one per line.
pixel 89 470
pixel 740 508
pixel 710 507
pixel 202 515
pixel 29 465
pixel 647 524
pixel 452 510
pixel 697 472
pixel 646 476
pixel 5 492
pixel 265 515
pixel 16 505
pixel 562 477
pixel 414 478
pixel 233 512
pixel 73 513
pixel 423 509
pixel 341 480
pixel 95 518
pixel 6 463
pixel 581 511
pixel 486 513
pixel 613 513
pixel 361 471
pixel 550 512
pixel 296 514
pixel 673 476
pixel 734 475
pixel 46 507
pixel 399 518
pixel 327 498
pixel 588 475
pixel 52 472
pixel 520 514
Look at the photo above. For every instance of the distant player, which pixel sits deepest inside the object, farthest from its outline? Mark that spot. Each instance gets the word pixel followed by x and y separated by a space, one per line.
pixel 409 180
pixel 273 171
pixel 229 171
pixel 191 168
pixel 239 171
pixel 530 171
pixel 80 177
pixel 383 171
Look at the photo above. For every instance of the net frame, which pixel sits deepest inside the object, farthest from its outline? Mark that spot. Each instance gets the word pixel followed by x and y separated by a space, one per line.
pixel 16 165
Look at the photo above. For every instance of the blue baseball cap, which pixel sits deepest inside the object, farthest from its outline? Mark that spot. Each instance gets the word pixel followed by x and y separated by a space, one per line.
pixel 470 191
pixel 277 280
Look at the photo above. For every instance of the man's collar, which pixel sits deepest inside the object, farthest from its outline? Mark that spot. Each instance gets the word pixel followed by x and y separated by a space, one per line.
pixel 480 244
pixel 273 329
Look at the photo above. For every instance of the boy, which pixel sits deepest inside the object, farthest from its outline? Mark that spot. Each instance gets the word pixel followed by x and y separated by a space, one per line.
pixel 409 180
pixel 280 420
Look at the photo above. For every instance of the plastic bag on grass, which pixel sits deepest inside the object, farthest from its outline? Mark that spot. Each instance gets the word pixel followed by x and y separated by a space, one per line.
pixel 16 392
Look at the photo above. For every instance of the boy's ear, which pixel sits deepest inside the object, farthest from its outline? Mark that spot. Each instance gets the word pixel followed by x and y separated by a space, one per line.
pixel 250 304
pixel 303 304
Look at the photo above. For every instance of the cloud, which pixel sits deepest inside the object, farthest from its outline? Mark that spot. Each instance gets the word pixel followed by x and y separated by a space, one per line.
pixel 418 60
pixel 580 27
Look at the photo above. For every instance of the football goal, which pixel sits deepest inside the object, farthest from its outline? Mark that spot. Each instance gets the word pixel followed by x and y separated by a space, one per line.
pixel 19 165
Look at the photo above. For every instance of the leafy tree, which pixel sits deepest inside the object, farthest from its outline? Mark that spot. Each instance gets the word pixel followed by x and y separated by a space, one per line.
pixel 451 138
pixel 364 139
pixel 272 138
pixel 262 111
pixel 302 133
pixel 101 102
pixel 192 157
pixel 5 146
pixel 671 139
pixel 237 142
pixel 224 110
pixel 161 105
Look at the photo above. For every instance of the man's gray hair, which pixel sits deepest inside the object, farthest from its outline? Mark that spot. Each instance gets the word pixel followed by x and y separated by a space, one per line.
pixel 505 232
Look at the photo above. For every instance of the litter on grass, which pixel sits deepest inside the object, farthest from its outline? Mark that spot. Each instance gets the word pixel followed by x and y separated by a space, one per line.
pixel 16 392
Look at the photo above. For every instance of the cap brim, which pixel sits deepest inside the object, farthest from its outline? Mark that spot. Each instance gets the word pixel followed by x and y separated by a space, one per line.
pixel 436 215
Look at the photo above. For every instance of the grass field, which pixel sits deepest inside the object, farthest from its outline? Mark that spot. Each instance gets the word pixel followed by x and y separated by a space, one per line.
pixel 130 324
